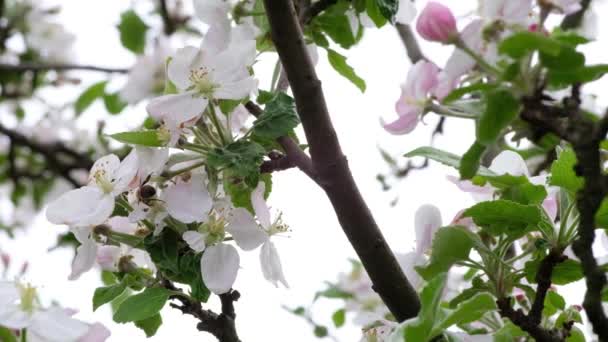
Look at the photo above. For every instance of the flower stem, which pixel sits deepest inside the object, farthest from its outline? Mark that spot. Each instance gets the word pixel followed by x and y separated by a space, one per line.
pixel 216 123
pixel 480 61
pixel 172 174
pixel 441 110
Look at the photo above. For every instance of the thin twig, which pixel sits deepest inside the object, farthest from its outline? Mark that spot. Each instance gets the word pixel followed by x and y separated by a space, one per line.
pixel 58 67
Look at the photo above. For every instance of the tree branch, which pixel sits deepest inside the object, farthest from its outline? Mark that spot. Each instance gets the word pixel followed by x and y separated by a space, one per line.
pixel 296 156
pixel 169 25
pixel 315 9
pixel 568 123
pixel 219 325
pixel 575 19
pixel 58 67
pixel 331 166
pixel 410 42
pixel 54 154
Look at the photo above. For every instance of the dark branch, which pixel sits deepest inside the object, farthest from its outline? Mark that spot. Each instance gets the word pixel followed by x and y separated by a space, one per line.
pixel 219 325
pixel 58 67
pixel 568 123
pixel 409 42
pixel 293 152
pixel 518 318
pixel 575 19
pixel 169 24
pixel 61 159
pixel 331 167
pixel 316 9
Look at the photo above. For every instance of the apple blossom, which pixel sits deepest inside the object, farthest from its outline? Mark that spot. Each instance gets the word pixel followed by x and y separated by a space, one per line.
pixel 420 83
pixel 437 23
pixel 20 308
pixel 93 204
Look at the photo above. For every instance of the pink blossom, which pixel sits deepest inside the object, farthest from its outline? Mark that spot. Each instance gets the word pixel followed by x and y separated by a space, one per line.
pixel 421 81
pixel 437 23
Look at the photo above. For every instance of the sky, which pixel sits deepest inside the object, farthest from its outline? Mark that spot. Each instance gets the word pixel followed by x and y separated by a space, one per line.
pixel 316 249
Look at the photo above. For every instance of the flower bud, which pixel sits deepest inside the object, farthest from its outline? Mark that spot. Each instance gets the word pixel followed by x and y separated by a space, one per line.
pixel 6 260
pixel 437 23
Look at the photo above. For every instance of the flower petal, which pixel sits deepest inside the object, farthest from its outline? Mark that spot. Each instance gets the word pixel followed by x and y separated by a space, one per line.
pixel 180 66
pixel 406 12
pixel 55 324
pixel 107 257
pixel 259 205
pixel 104 167
pixel 427 221
pixel 245 231
pixel 271 264
pixel 87 206
pixel 97 333
pixel 509 162
pixel 405 124
pixel 219 267
pixel 188 202
pixel 195 240
pixel 86 255
pixel 177 108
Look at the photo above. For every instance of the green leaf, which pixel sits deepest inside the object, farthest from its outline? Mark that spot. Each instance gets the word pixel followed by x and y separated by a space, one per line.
pixel 430 299
pixel 568 58
pixel 458 93
pixel 563 174
pixel 278 118
pixel 240 192
pixel 576 335
pixel 132 32
pixel 524 42
pixel 388 8
pixel 601 216
pixel 242 157
pixel 515 188
pixel 114 104
pixel 564 273
pixel 504 217
pixel 320 331
pixel 334 22
pixel 151 138
pixel 142 305
pixel 443 157
pixel 374 13
pixel 106 294
pixel 501 108
pixel 568 76
pixel 509 333
pixel 466 312
pixel 150 325
pixel 6 335
pixel 450 245
pixel 332 292
pixel 338 62
pixel 89 96
pixel 339 318
pixel 471 160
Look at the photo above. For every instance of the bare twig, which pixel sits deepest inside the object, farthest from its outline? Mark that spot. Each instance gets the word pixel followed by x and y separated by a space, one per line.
pixel 58 67
pixel 331 167
pixel 575 19
pixel 409 41
pixel 169 24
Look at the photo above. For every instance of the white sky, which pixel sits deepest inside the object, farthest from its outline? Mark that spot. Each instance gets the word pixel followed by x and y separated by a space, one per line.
pixel 316 250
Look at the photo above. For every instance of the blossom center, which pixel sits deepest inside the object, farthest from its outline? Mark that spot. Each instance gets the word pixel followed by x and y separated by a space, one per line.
pixel 103 182
pixel 28 297
pixel 201 81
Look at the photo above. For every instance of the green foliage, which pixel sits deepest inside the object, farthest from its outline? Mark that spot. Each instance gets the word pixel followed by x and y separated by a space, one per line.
pixel 450 245
pixel 333 292
pixel 564 273
pixel 523 43
pixel 584 74
pixel 474 88
pixel 388 8
pixel 375 13
pixel 443 157
pixel 505 217
pixel 150 138
pixel 471 160
pixel 514 188
pixel 114 104
pixel 338 62
pixel 89 96
pixel 278 119
pixel 142 305
pixel 177 262
pixel 132 32
pixel 242 157
pixel 563 174
pixel 419 329
pixel 240 192
pixel 106 294
pixel 468 311
pixel 150 325
pixel 501 108
pixel 339 318
pixel 334 22
pixel 6 335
